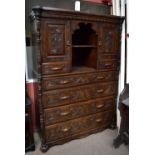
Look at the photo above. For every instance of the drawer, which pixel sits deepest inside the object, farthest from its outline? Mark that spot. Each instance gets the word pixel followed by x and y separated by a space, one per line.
pixel 109 64
pixel 63 113
pixel 52 68
pixel 110 56
pixel 75 80
pixel 72 127
pixel 76 94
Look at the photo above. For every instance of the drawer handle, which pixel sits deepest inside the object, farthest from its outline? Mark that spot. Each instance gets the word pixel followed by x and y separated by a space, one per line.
pixel 64 113
pixel 99 120
pixel 56 68
pixel 64 97
pixel 100 77
pixel 65 129
pixel 108 65
pixel 99 90
pixel 64 82
pixel 99 105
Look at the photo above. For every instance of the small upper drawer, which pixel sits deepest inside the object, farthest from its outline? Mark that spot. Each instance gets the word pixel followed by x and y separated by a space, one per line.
pixel 75 80
pixel 72 127
pixel 109 64
pixel 53 68
pixel 67 112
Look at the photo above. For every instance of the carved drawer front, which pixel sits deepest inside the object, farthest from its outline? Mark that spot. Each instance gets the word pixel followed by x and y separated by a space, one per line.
pixel 69 128
pixel 67 112
pixel 75 80
pixel 108 64
pixel 52 68
pixel 110 56
pixel 76 94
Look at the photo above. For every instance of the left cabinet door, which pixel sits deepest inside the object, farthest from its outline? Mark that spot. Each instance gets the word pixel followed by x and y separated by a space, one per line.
pixel 56 42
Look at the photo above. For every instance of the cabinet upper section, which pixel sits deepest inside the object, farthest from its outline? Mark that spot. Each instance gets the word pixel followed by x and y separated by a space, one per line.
pixel 68 40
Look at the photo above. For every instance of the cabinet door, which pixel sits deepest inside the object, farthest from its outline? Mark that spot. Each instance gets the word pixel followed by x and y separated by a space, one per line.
pixel 55 40
pixel 109 46
pixel 111 39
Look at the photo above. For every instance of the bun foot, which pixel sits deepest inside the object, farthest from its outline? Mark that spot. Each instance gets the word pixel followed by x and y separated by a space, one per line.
pixel 44 148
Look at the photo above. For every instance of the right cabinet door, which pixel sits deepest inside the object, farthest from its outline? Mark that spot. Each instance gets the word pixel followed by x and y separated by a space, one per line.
pixel 111 39
pixel 109 46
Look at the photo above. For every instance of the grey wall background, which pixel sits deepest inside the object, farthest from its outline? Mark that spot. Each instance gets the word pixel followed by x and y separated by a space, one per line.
pixel 64 4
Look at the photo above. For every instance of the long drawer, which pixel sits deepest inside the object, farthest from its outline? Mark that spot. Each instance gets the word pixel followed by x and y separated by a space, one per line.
pixel 67 112
pixel 69 128
pixel 79 79
pixel 76 94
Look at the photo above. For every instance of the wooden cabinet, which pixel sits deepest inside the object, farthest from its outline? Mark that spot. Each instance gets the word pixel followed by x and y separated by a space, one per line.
pixel 78 57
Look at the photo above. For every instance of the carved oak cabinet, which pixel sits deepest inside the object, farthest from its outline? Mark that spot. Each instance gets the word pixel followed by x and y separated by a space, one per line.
pixel 78 59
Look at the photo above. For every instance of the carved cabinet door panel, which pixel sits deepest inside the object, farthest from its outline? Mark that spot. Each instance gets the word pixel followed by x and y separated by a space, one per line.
pixel 109 43
pixel 55 40
pixel 111 37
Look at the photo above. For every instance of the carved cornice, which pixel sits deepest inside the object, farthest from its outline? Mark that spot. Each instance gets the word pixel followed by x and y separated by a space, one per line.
pixel 49 12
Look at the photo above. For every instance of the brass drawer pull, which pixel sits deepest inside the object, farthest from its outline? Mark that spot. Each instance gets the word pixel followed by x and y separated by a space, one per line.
pixel 64 97
pixel 64 82
pixel 109 65
pixel 100 77
pixel 98 120
pixel 99 105
pixel 64 113
pixel 65 129
pixel 99 90
pixel 56 68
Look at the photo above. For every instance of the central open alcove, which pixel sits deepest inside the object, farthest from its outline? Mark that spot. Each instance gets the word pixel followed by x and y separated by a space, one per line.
pixel 84 47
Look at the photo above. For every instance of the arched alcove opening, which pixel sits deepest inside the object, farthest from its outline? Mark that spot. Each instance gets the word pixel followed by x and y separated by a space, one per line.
pixel 84 46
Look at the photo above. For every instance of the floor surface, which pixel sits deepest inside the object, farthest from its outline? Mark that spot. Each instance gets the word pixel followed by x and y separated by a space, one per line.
pixel 95 144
